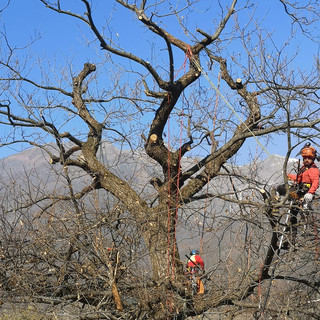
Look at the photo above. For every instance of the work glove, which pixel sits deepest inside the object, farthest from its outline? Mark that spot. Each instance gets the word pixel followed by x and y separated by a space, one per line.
pixel 308 197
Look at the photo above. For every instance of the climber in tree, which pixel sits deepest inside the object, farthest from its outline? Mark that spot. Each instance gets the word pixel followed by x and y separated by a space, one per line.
pixel 307 178
pixel 305 184
pixel 306 181
pixel 195 268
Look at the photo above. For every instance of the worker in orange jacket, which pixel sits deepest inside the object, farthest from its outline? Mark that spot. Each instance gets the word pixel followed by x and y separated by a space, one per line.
pixel 306 182
pixel 195 262
pixel 195 266
pixel 308 176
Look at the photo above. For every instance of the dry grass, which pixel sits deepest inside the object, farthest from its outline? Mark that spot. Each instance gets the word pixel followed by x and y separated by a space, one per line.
pixel 26 314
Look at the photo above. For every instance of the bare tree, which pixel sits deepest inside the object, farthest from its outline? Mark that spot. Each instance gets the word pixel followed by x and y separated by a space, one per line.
pixel 190 129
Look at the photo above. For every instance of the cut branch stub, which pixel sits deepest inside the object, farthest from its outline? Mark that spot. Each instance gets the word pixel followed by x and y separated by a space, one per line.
pixel 239 83
pixel 153 138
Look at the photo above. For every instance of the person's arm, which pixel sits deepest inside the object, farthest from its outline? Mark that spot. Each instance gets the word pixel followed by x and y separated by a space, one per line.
pixel 313 175
pixel 314 178
pixel 200 262
pixel 292 176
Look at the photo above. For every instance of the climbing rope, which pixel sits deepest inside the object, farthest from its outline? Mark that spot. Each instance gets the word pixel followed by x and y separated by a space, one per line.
pixel 169 195
pixel 177 184
pixel 178 196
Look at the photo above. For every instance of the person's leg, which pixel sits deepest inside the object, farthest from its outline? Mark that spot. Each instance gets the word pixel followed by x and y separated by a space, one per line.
pixel 200 286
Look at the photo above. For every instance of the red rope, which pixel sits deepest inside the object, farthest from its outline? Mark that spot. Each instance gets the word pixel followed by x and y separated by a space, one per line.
pixel 189 52
pixel 169 302
pixel 169 195
pixel 178 195
pixel 187 56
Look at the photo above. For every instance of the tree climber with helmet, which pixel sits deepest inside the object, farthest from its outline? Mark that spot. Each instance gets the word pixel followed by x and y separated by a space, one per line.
pixel 195 261
pixel 308 177
pixel 195 267
pixel 306 182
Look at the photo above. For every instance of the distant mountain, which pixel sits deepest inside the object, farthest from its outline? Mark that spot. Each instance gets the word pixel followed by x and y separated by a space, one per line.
pixel 137 168
pixel 113 157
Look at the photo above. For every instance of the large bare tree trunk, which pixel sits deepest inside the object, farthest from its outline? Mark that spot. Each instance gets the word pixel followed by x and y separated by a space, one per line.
pixel 160 238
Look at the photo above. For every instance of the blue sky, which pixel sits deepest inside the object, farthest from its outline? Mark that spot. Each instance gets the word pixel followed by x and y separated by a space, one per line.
pixel 64 40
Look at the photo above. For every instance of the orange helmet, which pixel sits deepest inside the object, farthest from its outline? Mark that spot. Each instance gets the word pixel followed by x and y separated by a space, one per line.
pixel 309 152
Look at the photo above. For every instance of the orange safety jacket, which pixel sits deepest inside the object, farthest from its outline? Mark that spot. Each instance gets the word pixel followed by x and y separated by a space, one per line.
pixel 308 176
pixel 195 261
